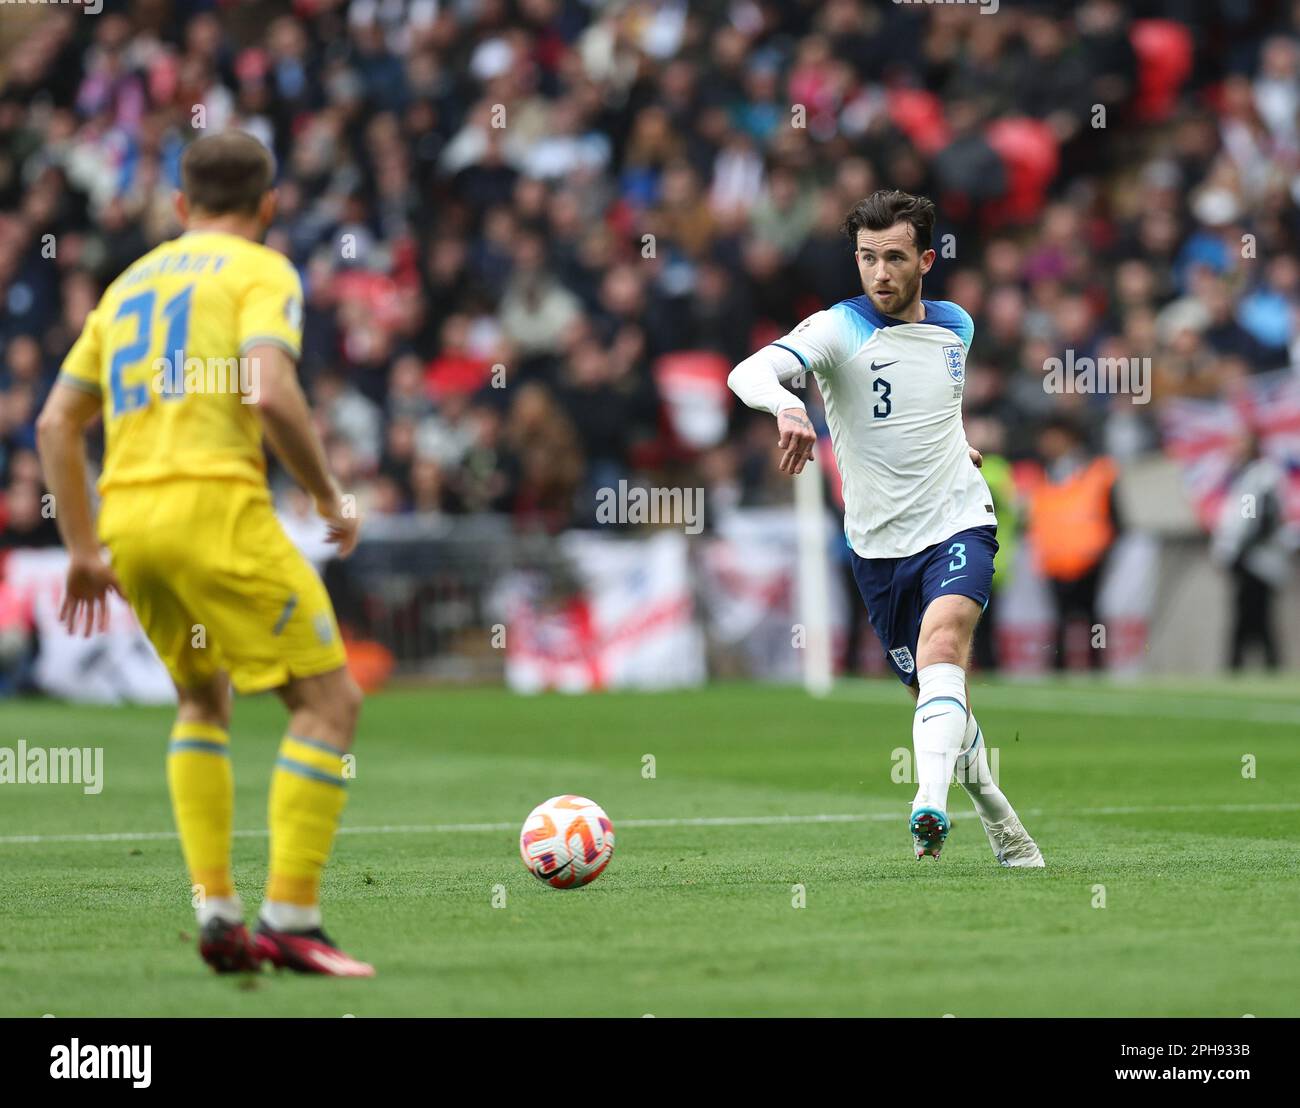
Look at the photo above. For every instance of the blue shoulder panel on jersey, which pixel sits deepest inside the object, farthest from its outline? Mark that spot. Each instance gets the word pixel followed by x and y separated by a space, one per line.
pixel 944 313
pixel 938 313
pixel 861 319
pixel 862 308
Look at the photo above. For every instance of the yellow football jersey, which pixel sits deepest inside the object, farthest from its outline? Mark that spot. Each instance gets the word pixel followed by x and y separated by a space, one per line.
pixel 165 349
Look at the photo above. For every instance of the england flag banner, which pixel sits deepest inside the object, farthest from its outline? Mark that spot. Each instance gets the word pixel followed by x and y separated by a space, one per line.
pixel 1205 437
pixel 627 622
pixel 116 666
pixel 751 592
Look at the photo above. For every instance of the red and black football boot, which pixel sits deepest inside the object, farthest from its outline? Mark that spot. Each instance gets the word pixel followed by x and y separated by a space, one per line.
pixel 228 947
pixel 308 952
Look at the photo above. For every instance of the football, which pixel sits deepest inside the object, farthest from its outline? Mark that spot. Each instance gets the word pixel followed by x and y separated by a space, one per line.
pixel 567 841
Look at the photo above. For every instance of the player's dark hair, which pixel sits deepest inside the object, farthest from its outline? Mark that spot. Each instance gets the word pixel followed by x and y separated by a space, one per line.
pixel 885 207
pixel 226 173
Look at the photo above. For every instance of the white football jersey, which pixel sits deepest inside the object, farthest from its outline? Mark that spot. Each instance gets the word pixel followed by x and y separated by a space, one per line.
pixel 892 392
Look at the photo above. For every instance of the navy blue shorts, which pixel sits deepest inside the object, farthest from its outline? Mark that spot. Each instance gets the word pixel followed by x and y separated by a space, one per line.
pixel 897 591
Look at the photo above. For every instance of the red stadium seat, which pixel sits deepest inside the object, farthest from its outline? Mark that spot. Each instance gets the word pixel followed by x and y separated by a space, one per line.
pixel 1028 148
pixel 919 115
pixel 1164 51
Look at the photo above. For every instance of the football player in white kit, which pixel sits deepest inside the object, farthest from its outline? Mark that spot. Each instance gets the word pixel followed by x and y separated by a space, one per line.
pixel 917 514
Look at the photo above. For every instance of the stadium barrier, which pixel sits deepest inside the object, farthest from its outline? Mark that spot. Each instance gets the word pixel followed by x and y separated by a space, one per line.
pixel 470 600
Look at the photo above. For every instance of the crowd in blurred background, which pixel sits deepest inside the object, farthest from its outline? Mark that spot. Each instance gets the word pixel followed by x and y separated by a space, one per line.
pixel 562 195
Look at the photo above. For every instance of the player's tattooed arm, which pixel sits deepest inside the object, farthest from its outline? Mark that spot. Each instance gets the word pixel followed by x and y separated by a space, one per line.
pixel 796 439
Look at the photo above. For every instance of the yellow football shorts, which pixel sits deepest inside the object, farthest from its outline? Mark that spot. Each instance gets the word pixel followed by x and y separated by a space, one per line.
pixel 217 585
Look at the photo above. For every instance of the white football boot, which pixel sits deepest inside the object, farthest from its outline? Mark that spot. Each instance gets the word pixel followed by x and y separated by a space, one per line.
pixel 1012 845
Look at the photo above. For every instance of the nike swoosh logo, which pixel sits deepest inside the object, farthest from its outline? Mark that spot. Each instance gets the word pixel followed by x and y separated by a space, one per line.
pixel 948 581
pixel 876 367
pixel 927 719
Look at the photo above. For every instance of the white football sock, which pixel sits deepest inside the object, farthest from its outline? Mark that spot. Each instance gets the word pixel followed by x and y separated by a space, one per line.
pixel 280 916
pixel 938 730
pixel 228 908
pixel 977 779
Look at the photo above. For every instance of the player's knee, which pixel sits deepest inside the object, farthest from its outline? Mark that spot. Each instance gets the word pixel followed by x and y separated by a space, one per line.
pixel 944 644
pixel 350 700
pixel 338 709
pixel 204 704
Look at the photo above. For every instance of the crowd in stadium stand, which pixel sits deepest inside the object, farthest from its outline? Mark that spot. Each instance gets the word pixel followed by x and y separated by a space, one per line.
pixel 558 195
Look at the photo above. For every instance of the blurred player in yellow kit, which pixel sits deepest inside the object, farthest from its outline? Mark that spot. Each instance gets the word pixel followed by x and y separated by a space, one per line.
pixel 191 356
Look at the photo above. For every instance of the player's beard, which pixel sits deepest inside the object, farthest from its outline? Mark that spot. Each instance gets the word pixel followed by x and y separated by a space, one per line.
pixel 907 294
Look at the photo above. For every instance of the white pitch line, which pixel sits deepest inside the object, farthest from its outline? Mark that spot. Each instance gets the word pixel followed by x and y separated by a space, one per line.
pixel 689 821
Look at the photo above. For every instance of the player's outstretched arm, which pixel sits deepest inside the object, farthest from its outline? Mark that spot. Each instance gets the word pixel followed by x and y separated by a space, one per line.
pixel 60 431
pixel 287 421
pixel 760 382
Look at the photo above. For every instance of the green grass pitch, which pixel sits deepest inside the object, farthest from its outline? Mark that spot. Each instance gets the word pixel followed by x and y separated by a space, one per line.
pixel 1139 794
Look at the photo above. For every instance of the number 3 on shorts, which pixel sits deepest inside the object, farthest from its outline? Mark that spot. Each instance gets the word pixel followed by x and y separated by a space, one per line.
pixel 959 562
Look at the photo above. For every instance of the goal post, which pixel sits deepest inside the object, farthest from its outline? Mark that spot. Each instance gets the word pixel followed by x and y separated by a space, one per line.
pixel 812 591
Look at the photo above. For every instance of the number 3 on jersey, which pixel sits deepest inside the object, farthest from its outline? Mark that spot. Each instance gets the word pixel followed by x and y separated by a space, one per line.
pixel 884 405
pixel 128 398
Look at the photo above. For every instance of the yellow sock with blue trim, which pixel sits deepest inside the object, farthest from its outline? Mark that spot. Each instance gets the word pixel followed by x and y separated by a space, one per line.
pixel 202 787
pixel 307 798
